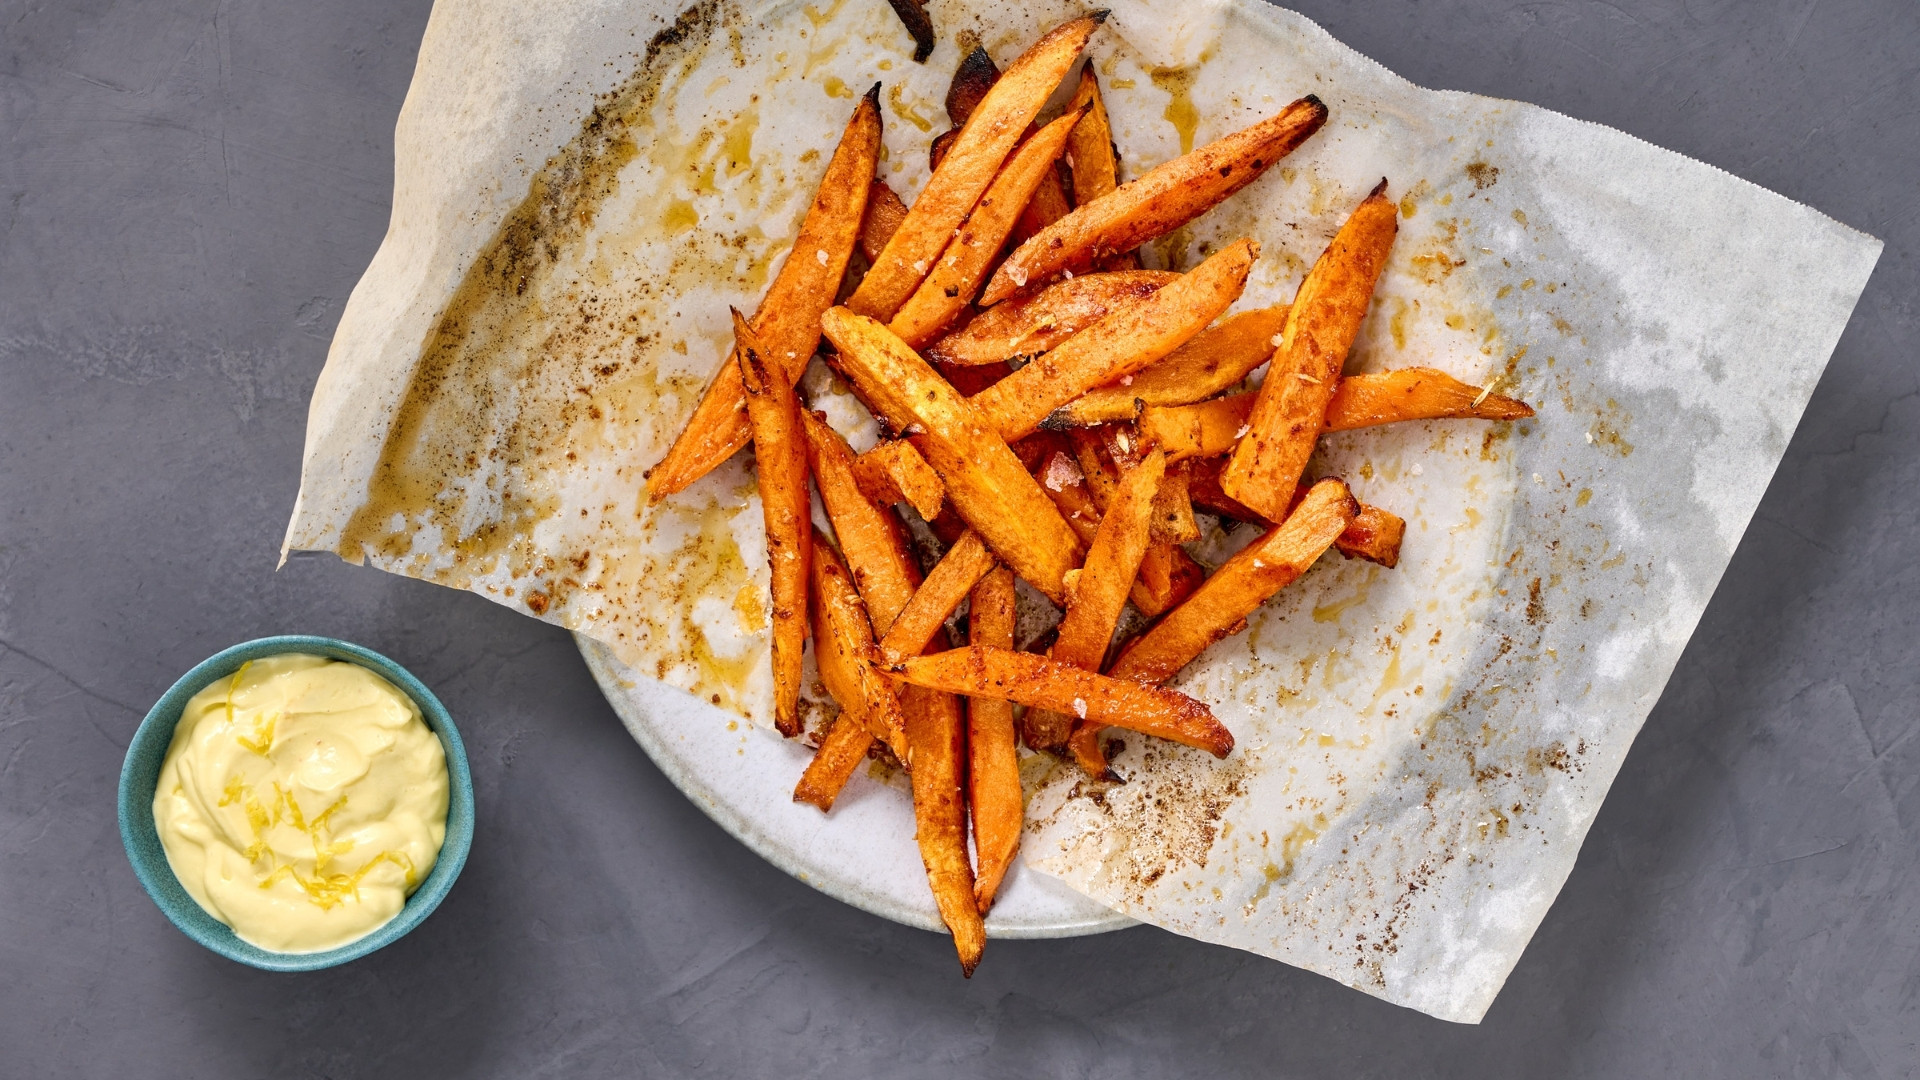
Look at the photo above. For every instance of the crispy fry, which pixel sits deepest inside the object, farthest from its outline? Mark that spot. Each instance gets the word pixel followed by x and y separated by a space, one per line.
pixel 1203 487
pixel 780 455
pixel 1030 325
pixel 972 78
pixel 1090 153
pixel 993 774
pixel 1100 589
pixel 956 276
pixel 788 320
pixel 985 482
pixel 1203 429
pixel 913 15
pixel 1207 429
pixel 970 379
pixel 1173 508
pixel 893 472
pixel 885 211
pixel 1167 575
pixel 937 734
pixel 845 747
pixel 1039 683
pixel 1414 394
pixel 1119 344
pixel 1096 466
pixel 1048 205
pixel 1094 161
pixel 1373 535
pixel 1291 407
pixel 843 652
pixel 870 538
pixel 1155 204
pixel 988 136
pixel 1220 607
pixel 965 563
pixel 1217 359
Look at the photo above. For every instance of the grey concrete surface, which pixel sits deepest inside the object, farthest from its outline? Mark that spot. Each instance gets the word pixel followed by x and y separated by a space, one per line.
pixel 190 188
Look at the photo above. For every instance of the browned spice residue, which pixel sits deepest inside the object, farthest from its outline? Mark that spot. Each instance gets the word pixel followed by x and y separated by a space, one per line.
pixel 468 387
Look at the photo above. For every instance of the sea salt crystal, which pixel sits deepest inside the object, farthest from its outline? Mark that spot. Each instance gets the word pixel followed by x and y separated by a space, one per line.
pixel 821 255
pixel 1242 433
pixel 1060 472
pixel 1126 380
pixel 1080 708
pixel 1018 275
pixel 1416 470
pixel 920 267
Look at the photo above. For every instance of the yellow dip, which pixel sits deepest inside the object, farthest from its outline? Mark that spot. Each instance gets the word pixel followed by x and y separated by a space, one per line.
pixel 301 801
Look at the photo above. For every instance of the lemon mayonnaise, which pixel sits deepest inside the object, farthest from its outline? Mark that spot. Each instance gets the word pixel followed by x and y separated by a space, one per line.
pixel 301 801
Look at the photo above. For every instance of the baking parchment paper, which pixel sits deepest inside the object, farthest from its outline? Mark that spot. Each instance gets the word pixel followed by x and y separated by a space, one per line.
pixel 582 189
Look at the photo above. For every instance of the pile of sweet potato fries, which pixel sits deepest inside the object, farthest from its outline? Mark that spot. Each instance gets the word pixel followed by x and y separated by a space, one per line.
pixel 1058 415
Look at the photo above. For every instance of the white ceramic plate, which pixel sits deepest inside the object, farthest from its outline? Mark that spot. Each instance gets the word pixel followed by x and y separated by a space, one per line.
pixel 863 853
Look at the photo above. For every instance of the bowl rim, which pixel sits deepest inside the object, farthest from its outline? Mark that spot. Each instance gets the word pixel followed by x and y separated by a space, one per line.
pixel 139 777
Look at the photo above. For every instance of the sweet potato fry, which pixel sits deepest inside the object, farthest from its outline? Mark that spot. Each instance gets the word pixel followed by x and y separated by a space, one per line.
pixel 1157 203
pixel 1174 574
pixel 913 16
pixel 1119 344
pixel 971 80
pixel 955 575
pixel 993 774
pixel 1099 591
pixel 893 472
pixel 1220 607
pixel 1217 359
pixel 985 482
pixel 950 286
pixel 970 379
pixel 1097 466
pixel 1373 535
pixel 937 734
pixel 780 455
pixel 1040 683
pixel 1048 205
pixel 1173 508
pixel 870 538
pixel 788 320
pixel 843 652
pixel 1094 161
pixel 1211 428
pixel 1291 407
pixel 1414 394
pixel 1203 488
pixel 1031 325
pixel 1090 153
pixel 885 211
pixel 986 139
pixel 845 747
pixel 1203 429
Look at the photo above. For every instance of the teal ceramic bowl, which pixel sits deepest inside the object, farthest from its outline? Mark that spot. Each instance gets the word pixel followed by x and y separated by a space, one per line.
pixel 141 775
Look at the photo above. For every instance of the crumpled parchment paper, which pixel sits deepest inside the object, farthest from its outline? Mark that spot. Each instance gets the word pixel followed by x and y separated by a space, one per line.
pixel 583 188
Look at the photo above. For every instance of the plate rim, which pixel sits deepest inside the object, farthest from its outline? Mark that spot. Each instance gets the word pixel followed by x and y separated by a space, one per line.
pixel 744 829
